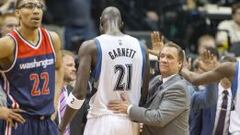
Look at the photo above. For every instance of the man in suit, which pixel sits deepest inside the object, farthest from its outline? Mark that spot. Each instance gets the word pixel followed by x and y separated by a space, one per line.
pixel 166 111
pixel 215 119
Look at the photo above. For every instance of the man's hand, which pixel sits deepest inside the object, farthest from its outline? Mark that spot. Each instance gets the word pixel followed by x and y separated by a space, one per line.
pixel 187 62
pixel 11 115
pixel 119 106
pixel 206 61
pixel 157 43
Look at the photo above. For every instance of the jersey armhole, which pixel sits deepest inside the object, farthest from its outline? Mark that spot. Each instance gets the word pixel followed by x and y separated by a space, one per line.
pixel 97 70
pixel 235 80
pixel 144 58
pixel 51 42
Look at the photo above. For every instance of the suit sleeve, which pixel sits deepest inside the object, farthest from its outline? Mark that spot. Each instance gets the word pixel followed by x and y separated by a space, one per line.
pixel 204 98
pixel 174 103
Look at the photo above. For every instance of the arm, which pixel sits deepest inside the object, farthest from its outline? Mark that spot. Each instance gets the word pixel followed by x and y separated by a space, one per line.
pixel 7 46
pixel 58 68
pixel 87 53
pixel 144 91
pixel 204 98
pixel 226 69
pixel 171 106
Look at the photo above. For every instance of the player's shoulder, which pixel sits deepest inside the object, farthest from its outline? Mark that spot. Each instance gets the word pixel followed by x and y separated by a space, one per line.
pixel 53 35
pixel 7 41
pixel 7 46
pixel 87 47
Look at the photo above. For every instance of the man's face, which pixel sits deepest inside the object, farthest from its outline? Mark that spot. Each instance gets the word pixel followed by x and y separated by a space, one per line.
pixel 236 16
pixel 69 68
pixel 9 23
pixel 169 63
pixel 30 13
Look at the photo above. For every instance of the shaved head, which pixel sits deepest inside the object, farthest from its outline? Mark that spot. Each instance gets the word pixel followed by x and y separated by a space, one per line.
pixel 111 13
pixel 111 16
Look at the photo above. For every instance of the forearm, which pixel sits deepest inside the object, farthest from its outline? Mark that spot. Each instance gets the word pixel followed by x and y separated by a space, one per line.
pixel 190 76
pixel 172 104
pixel 73 105
pixel 68 116
pixel 154 117
pixel 58 87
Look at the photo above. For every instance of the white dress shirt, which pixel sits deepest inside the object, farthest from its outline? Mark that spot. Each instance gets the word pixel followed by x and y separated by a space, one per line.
pixel 219 106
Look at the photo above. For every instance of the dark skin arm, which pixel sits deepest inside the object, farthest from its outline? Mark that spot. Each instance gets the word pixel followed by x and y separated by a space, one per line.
pixel 88 56
pixel 226 69
pixel 58 68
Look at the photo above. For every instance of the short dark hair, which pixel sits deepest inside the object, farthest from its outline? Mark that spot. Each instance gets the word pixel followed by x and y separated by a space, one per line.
pixel 235 7
pixel 19 2
pixel 179 49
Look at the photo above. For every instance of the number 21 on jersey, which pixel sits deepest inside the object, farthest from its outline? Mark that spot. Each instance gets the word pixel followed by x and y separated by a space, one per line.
pixel 122 71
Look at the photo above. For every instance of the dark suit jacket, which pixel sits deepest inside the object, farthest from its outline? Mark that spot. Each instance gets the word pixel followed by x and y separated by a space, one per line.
pixel 167 109
pixel 201 99
pixel 208 119
pixel 207 111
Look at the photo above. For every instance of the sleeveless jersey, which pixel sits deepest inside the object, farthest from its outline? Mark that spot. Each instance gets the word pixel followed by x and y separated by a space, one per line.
pixel 234 126
pixel 30 81
pixel 119 68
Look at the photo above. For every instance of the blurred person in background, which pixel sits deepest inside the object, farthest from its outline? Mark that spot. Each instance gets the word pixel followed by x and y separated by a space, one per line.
pixel 8 22
pixel 228 36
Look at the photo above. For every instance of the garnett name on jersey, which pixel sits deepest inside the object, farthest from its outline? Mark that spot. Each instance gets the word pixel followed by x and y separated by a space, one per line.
pixel 122 52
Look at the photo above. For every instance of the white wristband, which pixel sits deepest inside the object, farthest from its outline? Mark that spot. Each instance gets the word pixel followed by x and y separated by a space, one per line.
pixel 129 108
pixel 73 102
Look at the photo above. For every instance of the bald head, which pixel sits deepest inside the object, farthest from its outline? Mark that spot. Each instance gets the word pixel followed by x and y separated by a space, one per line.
pixel 111 13
pixel 111 16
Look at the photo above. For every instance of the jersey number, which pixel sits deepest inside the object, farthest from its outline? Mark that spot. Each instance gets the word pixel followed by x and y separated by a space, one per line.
pixel 121 70
pixel 36 80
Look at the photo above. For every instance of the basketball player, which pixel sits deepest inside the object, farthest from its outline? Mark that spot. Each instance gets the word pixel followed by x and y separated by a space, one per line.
pixel 119 64
pixel 28 59
pixel 229 70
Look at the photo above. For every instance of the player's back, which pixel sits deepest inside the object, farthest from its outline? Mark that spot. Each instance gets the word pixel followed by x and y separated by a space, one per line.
pixel 119 68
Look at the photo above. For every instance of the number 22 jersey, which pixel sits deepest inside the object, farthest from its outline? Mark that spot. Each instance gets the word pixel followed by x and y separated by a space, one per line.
pixel 30 81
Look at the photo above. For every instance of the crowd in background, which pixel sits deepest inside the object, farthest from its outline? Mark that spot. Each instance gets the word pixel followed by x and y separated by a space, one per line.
pixel 180 21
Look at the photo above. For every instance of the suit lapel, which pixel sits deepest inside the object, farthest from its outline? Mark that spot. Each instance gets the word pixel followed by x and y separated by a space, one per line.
pixel 162 87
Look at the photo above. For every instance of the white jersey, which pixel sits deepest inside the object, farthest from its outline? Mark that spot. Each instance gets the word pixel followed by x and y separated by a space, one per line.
pixel 119 68
pixel 235 114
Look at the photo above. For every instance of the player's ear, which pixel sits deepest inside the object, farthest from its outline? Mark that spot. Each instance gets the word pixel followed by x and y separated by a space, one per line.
pixel 17 13
pixel 121 26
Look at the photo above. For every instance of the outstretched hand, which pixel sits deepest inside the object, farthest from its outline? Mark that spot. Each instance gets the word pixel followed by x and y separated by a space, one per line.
pixel 206 61
pixel 157 43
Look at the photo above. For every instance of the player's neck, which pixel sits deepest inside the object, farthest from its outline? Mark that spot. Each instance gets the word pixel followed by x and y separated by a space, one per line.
pixel 29 34
pixel 112 29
